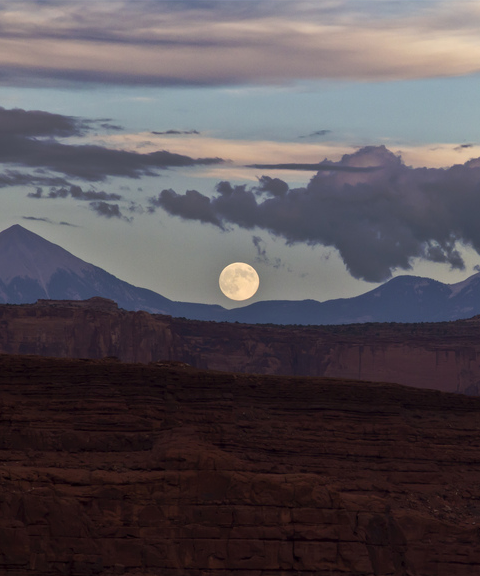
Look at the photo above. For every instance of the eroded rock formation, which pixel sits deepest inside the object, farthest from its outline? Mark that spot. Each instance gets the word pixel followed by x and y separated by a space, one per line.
pixel 110 468
pixel 443 356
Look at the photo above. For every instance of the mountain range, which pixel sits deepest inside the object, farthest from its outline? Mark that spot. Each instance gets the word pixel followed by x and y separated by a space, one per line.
pixel 33 268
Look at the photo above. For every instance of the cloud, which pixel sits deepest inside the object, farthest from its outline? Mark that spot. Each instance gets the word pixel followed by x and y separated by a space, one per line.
pixel 201 43
pixel 247 153
pixel 379 221
pixel 109 126
pixel 108 210
pixel 262 254
pixel 36 123
pixel 28 139
pixel 176 132
pixel 48 221
pixel 317 133
pixel 244 152
pixel 321 166
pixel 191 206
pixel 14 178
pixel 91 162
pixel 273 186
pixel 135 208
pixel 74 192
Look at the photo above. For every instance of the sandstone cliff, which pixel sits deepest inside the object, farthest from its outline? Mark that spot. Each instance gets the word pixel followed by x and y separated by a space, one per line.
pixel 147 470
pixel 444 356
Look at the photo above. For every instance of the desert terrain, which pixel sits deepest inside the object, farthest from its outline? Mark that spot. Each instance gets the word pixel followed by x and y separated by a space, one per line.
pixel 163 469
pixel 443 355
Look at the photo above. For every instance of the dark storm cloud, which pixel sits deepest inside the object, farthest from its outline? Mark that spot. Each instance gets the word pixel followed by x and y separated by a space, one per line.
pixel 317 133
pixel 273 186
pixel 191 206
pixel 378 220
pixel 75 192
pixel 27 138
pixel 91 162
pixel 176 132
pixel 19 123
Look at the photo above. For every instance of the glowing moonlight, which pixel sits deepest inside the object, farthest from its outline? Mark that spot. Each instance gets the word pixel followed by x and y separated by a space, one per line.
pixel 239 281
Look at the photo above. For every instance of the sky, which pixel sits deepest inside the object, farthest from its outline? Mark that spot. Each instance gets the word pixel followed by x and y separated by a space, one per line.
pixel 330 144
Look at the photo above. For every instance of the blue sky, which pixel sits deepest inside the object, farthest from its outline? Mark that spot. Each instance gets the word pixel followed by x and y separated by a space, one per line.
pixel 378 90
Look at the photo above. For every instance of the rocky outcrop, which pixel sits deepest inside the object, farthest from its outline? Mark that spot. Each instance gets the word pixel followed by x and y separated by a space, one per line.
pixel 443 356
pixel 110 468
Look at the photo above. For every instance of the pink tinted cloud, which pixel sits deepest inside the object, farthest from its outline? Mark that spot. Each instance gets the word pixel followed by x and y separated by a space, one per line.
pixel 218 43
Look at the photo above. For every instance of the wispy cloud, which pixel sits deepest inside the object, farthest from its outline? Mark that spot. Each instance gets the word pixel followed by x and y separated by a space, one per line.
pixel 318 167
pixel 317 133
pixel 463 146
pixel 262 257
pixel 15 178
pixel 243 153
pixel 175 132
pixel 232 43
pixel 48 221
pixel 377 220
pixel 75 192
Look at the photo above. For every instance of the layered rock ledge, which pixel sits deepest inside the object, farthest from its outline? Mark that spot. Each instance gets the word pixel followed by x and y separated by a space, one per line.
pixel 444 356
pixel 160 469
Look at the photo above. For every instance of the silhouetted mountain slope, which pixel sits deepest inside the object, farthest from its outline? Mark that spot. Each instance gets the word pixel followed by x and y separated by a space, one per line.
pixel 33 268
pixel 402 299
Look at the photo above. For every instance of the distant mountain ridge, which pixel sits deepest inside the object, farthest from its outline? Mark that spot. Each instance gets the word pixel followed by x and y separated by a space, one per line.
pixel 33 268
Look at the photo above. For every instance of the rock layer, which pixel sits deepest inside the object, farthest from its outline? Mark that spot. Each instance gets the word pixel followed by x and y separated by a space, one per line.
pixel 443 356
pixel 110 468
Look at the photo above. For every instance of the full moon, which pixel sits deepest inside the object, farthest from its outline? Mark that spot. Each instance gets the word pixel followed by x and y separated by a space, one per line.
pixel 239 281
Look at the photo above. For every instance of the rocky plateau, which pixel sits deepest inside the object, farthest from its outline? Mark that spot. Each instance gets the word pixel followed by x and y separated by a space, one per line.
pixel 443 355
pixel 157 469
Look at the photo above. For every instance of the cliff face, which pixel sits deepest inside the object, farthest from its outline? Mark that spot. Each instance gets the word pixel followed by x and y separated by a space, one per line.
pixel 162 469
pixel 444 356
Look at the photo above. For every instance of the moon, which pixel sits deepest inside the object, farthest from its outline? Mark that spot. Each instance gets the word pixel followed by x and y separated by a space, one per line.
pixel 239 281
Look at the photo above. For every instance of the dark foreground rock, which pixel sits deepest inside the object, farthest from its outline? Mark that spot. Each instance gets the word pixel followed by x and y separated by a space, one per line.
pixel 110 468
pixel 444 356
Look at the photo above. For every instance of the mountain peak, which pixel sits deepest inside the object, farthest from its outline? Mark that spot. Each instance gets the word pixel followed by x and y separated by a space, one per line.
pixel 16 230
pixel 463 285
pixel 25 254
pixel 32 268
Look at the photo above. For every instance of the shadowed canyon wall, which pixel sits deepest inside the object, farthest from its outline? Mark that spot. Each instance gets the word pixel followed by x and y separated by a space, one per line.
pixel 444 356
pixel 148 470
